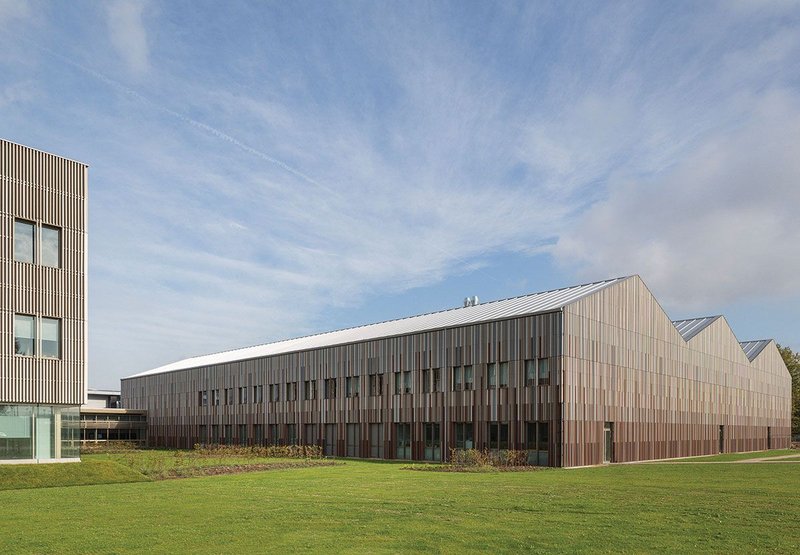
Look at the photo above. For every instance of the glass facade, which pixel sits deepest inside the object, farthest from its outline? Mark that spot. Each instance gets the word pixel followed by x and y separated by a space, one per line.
pixel 39 432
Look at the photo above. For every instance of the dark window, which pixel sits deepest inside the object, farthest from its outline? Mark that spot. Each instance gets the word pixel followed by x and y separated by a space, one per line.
pixel 330 388
pixel 310 434
pixel 544 371
pixel 274 392
pixel 242 395
pixel 437 380
pixel 351 385
pixel 426 381
pixel 537 438
pixel 403 437
pixel 407 381
pixel 433 442
pixel 498 435
pixel 242 434
pixel 310 387
pixel 457 384
pixel 291 434
pixel 291 391
pixel 376 385
pixel 469 378
pixel 463 433
pixel 530 373
pixel 258 434
pixel 274 434
pixel 352 444
pixel 503 374
pixel 228 434
pixel 258 393
pixel 491 375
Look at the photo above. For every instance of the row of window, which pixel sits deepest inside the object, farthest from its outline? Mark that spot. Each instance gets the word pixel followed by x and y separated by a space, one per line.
pixel 37 336
pixel 37 243
pixel 537 437
pixel 536 371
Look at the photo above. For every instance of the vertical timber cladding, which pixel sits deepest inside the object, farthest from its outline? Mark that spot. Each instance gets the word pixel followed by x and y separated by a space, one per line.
pixel 176 413
pixel 624 362
pixel 47 190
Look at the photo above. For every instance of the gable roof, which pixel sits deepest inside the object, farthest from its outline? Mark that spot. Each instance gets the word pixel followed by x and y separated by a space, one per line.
pixel 753 348
pixel 691 327
pixel 536 303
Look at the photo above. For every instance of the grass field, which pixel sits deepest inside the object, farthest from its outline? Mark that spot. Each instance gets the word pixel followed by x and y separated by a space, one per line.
pixel 364 506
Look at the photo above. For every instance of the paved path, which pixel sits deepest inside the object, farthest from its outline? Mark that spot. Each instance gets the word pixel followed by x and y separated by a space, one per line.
pixel 795 458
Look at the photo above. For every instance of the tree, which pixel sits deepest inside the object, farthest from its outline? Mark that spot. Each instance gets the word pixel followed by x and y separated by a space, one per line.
pixel 792 361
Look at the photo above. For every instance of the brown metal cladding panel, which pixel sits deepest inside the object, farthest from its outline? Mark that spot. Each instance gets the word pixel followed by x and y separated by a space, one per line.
pixel 475 345
pixel 625 363
pixel 46 190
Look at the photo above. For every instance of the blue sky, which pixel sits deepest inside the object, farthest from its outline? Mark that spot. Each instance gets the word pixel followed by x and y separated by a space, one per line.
pixel 264 170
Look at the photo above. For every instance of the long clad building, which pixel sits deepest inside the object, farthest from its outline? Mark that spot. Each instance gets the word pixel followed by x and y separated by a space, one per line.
pixel 42 304
pixel 577 376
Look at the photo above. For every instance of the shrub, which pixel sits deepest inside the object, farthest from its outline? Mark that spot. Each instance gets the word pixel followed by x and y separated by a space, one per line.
pixel 478 458
pixel 263 451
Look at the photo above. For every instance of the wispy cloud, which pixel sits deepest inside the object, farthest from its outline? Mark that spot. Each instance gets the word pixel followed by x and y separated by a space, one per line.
pixel 126 30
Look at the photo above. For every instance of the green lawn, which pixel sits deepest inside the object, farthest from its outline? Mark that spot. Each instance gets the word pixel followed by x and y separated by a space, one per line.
pixel 373 507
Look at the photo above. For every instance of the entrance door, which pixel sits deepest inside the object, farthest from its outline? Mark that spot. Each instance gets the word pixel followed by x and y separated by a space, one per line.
pixel 608 444
pixel 330 440
pixel 769 437
pixel 722 439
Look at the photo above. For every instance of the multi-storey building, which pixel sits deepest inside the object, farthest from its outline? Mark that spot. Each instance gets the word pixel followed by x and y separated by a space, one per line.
pixel 42 304
pixel 577 376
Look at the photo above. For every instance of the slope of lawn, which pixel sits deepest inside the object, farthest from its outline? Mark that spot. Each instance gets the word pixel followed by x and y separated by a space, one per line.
pixel 368 507
pixel 23 476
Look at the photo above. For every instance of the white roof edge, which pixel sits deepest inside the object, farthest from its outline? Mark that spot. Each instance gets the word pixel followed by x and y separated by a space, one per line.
pixel 502 309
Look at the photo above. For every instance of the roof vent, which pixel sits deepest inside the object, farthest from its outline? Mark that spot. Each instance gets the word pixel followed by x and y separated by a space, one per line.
pixel 471 301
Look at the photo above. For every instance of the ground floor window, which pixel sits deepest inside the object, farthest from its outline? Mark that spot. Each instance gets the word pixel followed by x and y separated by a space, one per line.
pixel 463 435
pixel 310 434
pixel 274 434
pixel 433 442
pixel 228 434
pixel 291 434
pixel 330 440
pixel 498 435
pixel 403 440
pixel 537 442
pixel 258 434
pixel 242 434
pixel 376 441
pixel 39 432
pixel 352 440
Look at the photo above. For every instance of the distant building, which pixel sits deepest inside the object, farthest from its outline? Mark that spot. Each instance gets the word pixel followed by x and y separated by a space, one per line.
pixel 577 376
pixel 43 309
pixel 102 399
pixel 104 420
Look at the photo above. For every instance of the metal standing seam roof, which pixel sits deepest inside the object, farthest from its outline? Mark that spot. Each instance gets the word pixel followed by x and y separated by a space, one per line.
pixel 691 327
pixel 536 303
pixel 753 348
